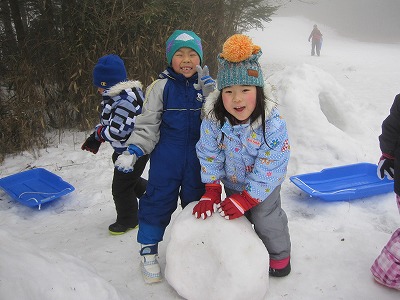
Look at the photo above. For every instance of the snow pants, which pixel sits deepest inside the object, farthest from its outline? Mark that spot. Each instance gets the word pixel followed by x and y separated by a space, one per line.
pixel 126 189
pixel 270 223
pixel 174 173
pixel 316 47
pixel 386 268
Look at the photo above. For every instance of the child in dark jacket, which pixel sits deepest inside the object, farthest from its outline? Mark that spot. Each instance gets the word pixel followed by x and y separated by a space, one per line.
pixel 386 268
pixel 122 102
pixel 169 129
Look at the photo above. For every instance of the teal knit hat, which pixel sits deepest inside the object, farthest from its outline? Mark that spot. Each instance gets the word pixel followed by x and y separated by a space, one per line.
pixel 238 63
pixel 180 39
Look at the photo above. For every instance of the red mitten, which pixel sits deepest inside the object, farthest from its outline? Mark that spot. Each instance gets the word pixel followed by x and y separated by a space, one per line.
pixel 236 205
pixel 209 201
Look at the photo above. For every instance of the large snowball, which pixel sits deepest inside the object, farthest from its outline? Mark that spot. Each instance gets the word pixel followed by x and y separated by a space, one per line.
pixel 216 258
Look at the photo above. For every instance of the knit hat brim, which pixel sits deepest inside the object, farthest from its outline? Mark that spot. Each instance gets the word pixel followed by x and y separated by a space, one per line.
pixel 183 39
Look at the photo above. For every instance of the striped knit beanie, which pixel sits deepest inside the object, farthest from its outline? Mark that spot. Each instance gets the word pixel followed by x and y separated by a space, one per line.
pixel 180 39
pixel 109 71
pixel 238 63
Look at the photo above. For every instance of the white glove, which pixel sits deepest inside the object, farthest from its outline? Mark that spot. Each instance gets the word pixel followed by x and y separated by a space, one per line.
pixel 205 82
pixel 125 162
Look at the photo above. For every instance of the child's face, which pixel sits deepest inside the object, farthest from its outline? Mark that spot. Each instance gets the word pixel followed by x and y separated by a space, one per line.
pixel 240 101
pixel 185 61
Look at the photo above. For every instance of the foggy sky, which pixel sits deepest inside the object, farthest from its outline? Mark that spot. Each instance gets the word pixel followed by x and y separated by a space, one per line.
pixel 364 20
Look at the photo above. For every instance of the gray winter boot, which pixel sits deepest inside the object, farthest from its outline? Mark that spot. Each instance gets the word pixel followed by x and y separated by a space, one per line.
pixel 151 270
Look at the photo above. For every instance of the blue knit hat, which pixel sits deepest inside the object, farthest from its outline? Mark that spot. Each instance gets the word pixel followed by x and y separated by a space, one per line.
pixel 180 39
pixel 109 71
pixel 238 63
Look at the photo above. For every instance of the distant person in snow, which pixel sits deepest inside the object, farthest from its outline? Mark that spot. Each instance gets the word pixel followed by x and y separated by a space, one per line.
pixel 386 268
pixel 316 40
pixel 122 102
pixel 244 145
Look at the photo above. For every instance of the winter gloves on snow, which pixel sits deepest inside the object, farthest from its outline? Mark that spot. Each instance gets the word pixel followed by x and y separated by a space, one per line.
pixel 236 205
pixel 231 208
pixel 209 201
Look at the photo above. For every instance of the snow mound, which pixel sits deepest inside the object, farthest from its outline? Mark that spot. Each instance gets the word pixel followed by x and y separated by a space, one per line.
pixel 45 275
pixel 216 258
pixel 316 108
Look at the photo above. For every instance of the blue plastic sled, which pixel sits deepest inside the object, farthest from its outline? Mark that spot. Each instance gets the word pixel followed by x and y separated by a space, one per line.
pixel 343 183
pixel 35 187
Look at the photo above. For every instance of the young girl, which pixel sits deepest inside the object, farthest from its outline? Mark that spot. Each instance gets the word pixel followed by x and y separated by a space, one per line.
pixel 244 144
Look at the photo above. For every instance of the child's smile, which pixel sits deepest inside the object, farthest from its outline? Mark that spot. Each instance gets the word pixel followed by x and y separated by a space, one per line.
pixel 184 62
pixel 187 70
pixel 240 101
pixel 239 109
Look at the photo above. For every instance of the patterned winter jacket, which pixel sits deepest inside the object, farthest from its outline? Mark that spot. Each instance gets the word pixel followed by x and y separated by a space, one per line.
pixel 242 160
pixel 120 106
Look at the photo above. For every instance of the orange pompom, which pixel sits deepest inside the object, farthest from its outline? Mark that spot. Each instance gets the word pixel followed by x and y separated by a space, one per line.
pixel 238 47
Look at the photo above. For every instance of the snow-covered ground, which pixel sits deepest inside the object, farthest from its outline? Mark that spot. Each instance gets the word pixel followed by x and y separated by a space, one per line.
pixel 334 106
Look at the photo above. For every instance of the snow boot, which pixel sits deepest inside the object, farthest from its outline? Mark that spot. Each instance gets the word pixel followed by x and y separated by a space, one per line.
pixel 276 269
pixel 117 228
pixel 151 270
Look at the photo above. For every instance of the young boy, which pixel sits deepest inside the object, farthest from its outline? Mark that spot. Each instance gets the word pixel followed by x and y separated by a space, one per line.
pixel 169 129
pixel 122 102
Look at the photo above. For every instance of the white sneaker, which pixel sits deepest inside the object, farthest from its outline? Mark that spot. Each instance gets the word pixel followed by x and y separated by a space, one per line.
pixel 151 270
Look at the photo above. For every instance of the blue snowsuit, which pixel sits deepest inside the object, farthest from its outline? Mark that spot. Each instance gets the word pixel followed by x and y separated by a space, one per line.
pixel 169 129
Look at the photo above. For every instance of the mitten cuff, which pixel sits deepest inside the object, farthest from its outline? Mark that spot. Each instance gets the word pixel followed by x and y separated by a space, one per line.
pixel 133 149
pixel 98 132
pixel 214 187
pixel 386 155
pixel 252 201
